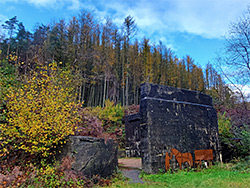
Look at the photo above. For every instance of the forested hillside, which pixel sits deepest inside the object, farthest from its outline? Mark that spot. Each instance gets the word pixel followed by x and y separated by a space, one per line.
pixel 106 60
pixel 83 75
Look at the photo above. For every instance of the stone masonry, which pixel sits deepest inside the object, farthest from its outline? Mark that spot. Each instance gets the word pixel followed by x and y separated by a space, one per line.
pixel 133 135
pixel 92 156
pixel 175 118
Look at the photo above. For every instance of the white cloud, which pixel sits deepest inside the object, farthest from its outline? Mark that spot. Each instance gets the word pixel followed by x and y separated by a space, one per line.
pixel 75 5
pixel 42 2
pixel 245 89
pixel 207 18
pixel 54 4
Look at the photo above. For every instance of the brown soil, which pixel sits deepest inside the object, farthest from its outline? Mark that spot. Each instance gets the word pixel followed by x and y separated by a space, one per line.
pixel 130 163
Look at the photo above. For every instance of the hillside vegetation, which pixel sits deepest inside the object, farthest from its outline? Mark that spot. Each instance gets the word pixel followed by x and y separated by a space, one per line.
pixel 79 78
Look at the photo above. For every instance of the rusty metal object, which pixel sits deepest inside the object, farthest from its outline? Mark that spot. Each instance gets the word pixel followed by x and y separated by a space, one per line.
pixel 203 155
pixel 200 155
pixel 167 159
pixel 182 157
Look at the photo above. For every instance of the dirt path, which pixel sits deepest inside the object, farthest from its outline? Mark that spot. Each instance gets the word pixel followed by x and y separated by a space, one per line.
pixel 131 168
pixel 130 163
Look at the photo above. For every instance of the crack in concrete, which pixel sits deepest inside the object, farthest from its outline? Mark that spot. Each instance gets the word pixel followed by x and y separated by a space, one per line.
pixel 90 159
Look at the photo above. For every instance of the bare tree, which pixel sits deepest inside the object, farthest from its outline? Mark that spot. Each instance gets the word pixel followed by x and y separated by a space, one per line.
pixel 130 30
pixel 234 61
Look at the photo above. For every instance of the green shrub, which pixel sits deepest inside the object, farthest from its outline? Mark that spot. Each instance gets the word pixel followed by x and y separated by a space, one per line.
pixel 8 79
pixel 225 130
pixel 225 125
pixel 242 165
pixel 242 140
pixel 111 116
pixel 235 140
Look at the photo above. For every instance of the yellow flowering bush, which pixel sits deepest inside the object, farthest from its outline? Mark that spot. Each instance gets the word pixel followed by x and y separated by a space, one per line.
pixel 40 113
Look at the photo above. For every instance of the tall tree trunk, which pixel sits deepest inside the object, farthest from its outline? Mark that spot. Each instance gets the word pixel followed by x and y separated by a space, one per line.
pixel 123 88
pixel 127 102
pixel 83 91
pixel 79 94
pixel 90 96
pixel 134 93
pixel 104 90
pixel 8 50
pixel 100 95
pixel 107 95
pixel 137 96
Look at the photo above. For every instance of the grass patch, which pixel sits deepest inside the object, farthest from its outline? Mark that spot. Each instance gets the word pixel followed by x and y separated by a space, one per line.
pixel 214 177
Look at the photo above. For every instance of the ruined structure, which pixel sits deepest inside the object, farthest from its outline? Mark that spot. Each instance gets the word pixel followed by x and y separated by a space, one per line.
pixel 174 118
pixel 133 135
pixel 92 156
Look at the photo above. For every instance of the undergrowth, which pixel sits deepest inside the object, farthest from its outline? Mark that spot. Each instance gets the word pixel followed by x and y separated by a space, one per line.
pixel 110 121
pixel 48 175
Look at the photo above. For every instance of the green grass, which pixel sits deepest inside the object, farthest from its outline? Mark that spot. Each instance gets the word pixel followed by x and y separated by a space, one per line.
pixel 215 177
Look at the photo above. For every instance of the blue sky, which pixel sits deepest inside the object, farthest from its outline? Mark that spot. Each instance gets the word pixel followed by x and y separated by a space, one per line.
pixel 188 27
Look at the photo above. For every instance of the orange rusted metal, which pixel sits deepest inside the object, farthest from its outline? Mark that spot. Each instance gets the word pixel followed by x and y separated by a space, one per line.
pixel 182 157
pixel 203 155
pixel 200 155
pixel 167 159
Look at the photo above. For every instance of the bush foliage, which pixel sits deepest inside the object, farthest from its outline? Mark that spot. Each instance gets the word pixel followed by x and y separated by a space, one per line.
pixel 40 114
pixel 234 138
pixel 111 116
pixel 48 175
pixel 8 79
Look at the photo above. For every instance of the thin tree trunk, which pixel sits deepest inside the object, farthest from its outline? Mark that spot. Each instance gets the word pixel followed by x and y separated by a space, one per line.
pixel 83 91
pixel 107 95
pixel 134 94
pixel 79 94
pixel 137 96
pixel 96 96
pixel 100 95
pixel 123 95
pixel 127 89
pixel 123 88
pixel 104 90
pixel 90 96
pixel 93 96
pixel 8 49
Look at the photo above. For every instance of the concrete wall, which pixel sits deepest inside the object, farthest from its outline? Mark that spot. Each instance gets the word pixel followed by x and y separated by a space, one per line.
pixel 175 118
pixel 133 135
pixel 92 156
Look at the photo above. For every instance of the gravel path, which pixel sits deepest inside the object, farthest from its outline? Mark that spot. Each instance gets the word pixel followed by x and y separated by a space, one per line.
pixel 133 175
pixel 131 168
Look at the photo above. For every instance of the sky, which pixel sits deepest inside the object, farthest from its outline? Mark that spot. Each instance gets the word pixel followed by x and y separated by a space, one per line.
pixel 189 27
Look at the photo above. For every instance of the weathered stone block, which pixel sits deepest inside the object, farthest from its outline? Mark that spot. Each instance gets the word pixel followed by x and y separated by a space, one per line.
pixel 92 156
pixel 175 118
pixel 133 135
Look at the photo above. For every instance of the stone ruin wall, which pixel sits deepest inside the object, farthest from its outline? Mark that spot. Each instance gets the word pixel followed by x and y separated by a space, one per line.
pixel 173 118
pixel 91 156
pixel 133 135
